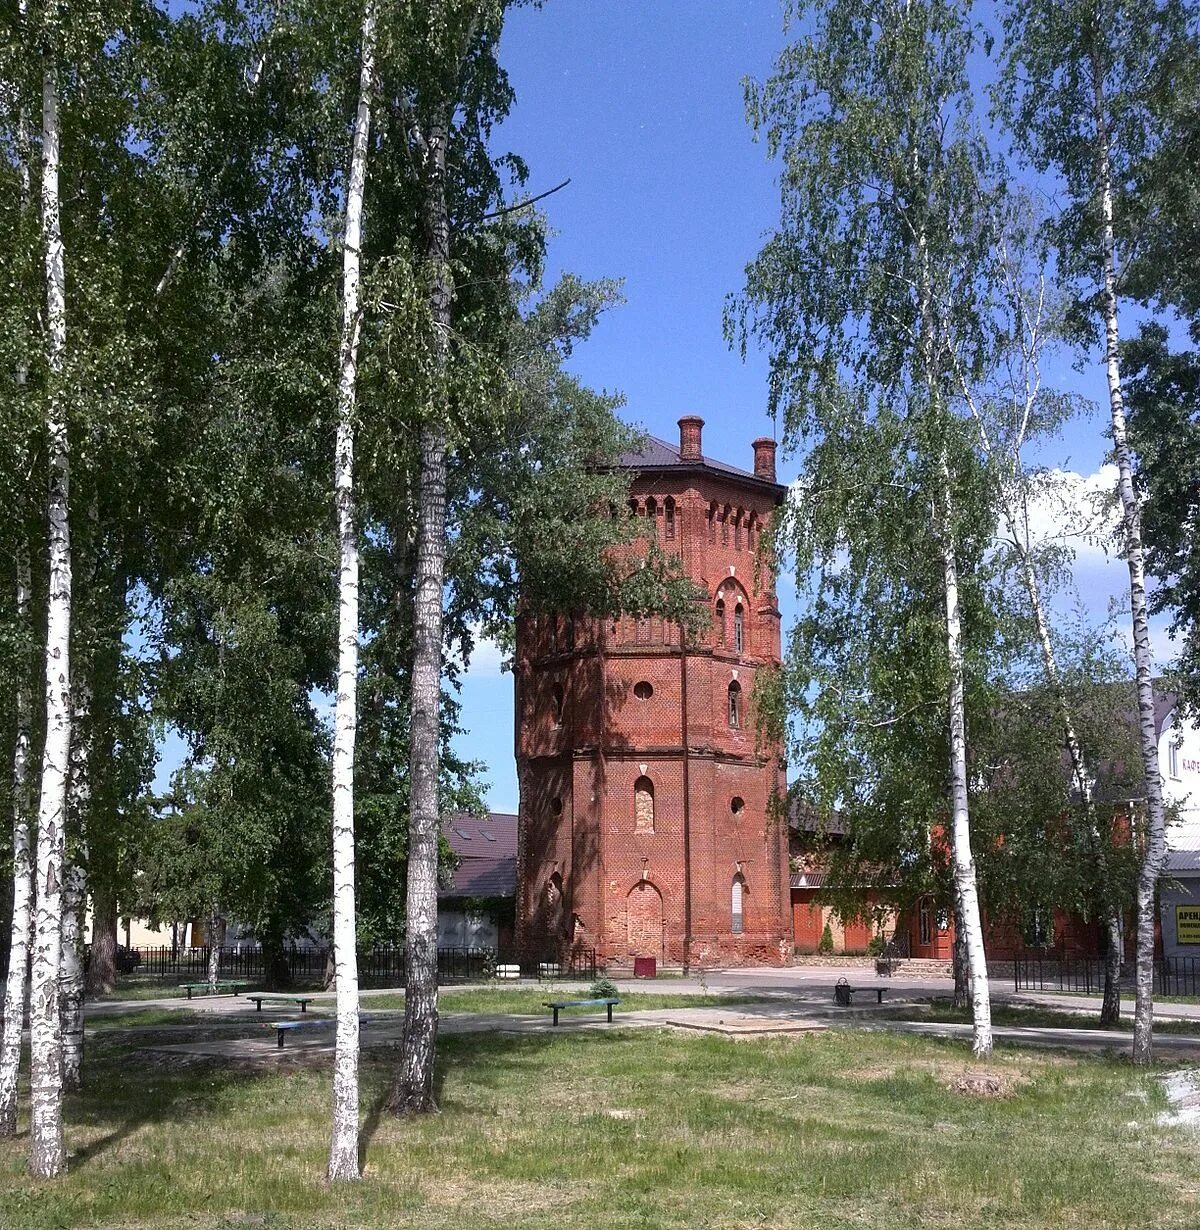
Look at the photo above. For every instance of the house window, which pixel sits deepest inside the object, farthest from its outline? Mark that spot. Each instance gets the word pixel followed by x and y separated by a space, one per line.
pixel 669 520
pixel 925 921
pixel 652 516
pixel 643 805
pixel 750 526
pixel 739 629
pixel 720 621
pixel 735 704
pixel 725 527
pixel 736 905
pixel 643 690
pixel 556 700
pixel 712 523
pixel 1173 758
pixel 737 530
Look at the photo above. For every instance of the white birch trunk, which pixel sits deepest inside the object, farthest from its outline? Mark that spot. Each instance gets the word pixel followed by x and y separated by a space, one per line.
pixel 70 978
pixel 965 886
pixel 413 1087
pixel 18 960
pixel 47 1152
pixel 1155 849
pixel 343 1148
pixel 215 939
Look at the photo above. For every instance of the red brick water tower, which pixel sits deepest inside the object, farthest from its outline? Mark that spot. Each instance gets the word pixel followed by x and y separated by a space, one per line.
pixel 651 820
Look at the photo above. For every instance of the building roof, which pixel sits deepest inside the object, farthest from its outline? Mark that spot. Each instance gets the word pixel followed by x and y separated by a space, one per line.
pixel 803 817
pixel 486 847
pixel 656 454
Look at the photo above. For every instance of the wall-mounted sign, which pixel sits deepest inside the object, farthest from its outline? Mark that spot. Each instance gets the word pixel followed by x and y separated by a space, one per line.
pixel 1187 924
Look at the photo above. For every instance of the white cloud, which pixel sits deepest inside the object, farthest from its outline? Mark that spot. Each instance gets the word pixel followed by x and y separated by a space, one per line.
pixel 1077 511
pixel 487 658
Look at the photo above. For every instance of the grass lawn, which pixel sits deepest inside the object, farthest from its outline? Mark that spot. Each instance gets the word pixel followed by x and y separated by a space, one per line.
pixel 1012 1014
pixel 624 1129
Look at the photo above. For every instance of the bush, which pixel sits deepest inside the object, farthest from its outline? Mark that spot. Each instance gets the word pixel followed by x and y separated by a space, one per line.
pixel 875 947
pixel 604 988
pixel 826 944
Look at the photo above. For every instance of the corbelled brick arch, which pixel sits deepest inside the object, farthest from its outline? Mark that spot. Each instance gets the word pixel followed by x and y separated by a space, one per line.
pixel 645 788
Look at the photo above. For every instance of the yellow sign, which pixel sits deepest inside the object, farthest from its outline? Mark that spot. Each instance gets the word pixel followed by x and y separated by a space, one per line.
pixel 1187 924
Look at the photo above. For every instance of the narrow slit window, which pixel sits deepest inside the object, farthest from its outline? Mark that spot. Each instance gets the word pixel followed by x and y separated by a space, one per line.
pixel 669 520
pixel 735 705
pixel 736 897
pixel 720 621
pixel 739 629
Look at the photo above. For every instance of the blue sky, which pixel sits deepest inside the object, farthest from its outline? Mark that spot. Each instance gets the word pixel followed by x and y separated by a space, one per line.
pixel 640 104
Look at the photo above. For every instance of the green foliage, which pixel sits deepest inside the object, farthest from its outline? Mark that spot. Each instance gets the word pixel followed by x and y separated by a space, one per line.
pixel 825 944
pixel 603 988
pixel 1163 394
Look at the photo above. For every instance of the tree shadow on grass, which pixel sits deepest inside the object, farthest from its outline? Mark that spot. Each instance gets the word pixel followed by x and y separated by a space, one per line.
pixel 491 1058
pixel 130 1086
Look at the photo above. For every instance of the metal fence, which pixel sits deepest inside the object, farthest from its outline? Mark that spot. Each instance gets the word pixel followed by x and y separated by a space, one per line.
pixel 382 964
pixel 1039 972
pixel 1177 975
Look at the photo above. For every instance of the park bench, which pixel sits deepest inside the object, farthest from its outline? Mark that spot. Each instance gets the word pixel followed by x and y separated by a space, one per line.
pixel 556 1004
pixel 283 1028
pixel 843 993
pixel 259 1000
pixel 223 986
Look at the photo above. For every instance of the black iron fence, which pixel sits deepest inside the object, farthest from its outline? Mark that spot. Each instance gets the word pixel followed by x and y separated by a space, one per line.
pixel 382 964
pixel 1038 972
pixel 1177 976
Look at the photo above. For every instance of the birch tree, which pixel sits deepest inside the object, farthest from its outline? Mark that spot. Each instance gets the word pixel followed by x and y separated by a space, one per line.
pixel 22 900
pixel 22 866
pixel 1008 404
pixel 47 1156
pixel 343 1151
pixel 1078 92
pixel 861 298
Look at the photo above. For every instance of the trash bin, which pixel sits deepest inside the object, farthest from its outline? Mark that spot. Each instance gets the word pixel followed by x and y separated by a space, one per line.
pixel 645 967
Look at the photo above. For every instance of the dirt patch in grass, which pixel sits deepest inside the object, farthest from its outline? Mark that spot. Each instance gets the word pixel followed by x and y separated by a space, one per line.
pixel 980 1084
pixel 500 1197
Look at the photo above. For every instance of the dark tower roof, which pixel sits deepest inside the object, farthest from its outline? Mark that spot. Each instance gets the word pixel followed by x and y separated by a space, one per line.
pixel 656 456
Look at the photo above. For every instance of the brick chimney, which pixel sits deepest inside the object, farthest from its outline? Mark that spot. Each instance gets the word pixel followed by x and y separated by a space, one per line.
pixel 690 427
pixel 764 458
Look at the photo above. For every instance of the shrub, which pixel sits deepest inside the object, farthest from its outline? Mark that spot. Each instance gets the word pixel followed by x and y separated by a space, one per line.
pixel 826 944
pixel 604 988
pixel 875 946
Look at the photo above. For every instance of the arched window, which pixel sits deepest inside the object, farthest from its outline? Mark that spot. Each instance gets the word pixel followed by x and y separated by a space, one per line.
pixel 719 621
pixel 739 886
pixel 737 530
pixel 925 921
pixel 652 516
pixel 739 629
pixel 712 522
pixel 643 805
pixel 556 701
pixel 669 520
pixel 633 508
pixel 735 705
pixel 751 527
pixel 725 527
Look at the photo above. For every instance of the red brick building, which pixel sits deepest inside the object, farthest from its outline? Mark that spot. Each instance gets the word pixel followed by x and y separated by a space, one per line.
pixel 651 821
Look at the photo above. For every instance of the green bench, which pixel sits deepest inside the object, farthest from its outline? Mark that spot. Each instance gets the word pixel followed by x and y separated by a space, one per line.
pixel 556 1004
pixel 222 986
pixel 283 1028
pixel 259 1000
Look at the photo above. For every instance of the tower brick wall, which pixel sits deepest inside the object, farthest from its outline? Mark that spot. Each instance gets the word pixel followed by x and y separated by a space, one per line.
pixel 649 809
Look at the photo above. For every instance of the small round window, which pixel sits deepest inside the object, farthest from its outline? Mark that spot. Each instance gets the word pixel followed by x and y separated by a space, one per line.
pixel 556 806
pixel 737 804
pixel 643 690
